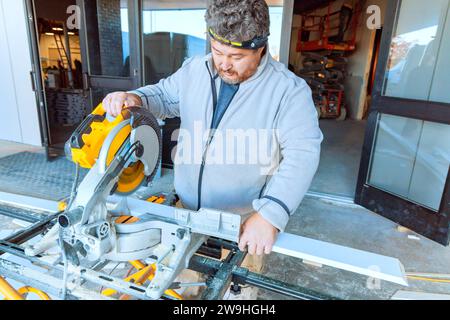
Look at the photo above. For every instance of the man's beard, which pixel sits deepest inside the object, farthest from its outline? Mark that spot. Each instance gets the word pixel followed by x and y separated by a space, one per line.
pixel 227 80
pixel 238 79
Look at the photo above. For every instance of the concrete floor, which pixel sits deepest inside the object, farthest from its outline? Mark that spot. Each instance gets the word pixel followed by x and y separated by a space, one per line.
pixel 345 225
pixel 338 175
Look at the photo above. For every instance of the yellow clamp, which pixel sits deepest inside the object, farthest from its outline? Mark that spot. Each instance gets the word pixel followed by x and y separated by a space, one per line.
pixel 144 273
pixel 12 294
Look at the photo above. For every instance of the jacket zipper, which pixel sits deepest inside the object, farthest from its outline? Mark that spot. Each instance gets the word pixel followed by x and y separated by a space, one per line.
pixel 200 175
pixel 211 135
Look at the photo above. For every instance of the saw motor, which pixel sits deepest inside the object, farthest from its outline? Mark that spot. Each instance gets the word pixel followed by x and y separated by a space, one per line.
pixel 100 138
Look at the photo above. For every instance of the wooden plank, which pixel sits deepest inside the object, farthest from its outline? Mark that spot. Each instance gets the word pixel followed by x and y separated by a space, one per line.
pixel 413 295
pixel 28 202
pixel 341 257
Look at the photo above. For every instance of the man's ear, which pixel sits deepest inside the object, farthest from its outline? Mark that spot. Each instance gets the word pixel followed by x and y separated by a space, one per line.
pixel 261 51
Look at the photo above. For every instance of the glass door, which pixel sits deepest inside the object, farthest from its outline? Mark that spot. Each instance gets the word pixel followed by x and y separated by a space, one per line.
pixel 110 46
pixel 57 74
pixel 404 172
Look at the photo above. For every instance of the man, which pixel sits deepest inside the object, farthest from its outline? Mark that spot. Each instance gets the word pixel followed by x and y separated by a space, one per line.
pixel 239 87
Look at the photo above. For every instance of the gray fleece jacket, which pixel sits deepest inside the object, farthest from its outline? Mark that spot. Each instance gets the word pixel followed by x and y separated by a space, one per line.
pixel 265 151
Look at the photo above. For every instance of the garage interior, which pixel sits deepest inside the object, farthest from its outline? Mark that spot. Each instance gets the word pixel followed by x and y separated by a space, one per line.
pixel 343 130
pixel 328 212
pixel 60 60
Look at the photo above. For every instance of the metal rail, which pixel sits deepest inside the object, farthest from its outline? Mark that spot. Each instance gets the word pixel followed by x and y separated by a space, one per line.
pixel 223 273
pixel 243 276
pixel 20 214
pixel 221 281
pixel 32 231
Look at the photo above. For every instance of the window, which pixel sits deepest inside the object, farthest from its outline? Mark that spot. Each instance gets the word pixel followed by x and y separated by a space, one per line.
pixel 418 63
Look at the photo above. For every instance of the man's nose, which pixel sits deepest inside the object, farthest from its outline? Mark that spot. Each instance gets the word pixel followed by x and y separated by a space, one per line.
pixel 226 65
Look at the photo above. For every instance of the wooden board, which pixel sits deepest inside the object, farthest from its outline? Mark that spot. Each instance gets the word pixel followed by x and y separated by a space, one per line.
pixel 412 295
pixel 341 257
pixel 28 202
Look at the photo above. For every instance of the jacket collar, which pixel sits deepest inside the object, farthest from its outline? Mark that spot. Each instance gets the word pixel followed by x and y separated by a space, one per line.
pixel 262 66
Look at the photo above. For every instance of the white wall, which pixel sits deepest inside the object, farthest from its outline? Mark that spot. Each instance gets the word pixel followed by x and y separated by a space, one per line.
pixel 19 120
pixel 360 62
pixel 9 119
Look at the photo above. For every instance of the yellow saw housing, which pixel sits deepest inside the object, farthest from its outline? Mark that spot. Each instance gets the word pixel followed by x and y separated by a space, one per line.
pixel 87 141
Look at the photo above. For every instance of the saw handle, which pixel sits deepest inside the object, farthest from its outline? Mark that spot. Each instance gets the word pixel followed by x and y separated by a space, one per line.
pixel 98 115
pixel 101 111
pixel 76 140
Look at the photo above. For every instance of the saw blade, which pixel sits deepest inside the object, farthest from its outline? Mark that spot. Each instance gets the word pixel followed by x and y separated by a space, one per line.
pixel 134 176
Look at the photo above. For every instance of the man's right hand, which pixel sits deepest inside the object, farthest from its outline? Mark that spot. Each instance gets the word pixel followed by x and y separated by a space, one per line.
pixel 116 101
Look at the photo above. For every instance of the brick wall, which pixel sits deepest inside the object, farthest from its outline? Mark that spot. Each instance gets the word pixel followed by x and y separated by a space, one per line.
pixel 110 34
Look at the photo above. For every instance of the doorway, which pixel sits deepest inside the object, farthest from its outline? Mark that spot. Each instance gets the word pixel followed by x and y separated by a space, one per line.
pixel 335 53
pixel 57 72
pixel 76 66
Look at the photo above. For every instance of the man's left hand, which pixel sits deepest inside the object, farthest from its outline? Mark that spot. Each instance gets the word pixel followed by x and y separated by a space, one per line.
pixel 258 234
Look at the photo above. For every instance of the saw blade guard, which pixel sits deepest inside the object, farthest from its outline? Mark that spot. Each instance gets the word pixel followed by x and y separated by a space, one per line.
pixel 100 138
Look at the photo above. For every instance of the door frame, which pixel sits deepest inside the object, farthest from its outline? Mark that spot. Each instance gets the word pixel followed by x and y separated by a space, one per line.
pixel 36 78
pixel 431 224
pixel 286 30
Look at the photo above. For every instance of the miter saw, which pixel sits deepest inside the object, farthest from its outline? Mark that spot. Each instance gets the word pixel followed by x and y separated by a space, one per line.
pixel 123 153
pixel 102 223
